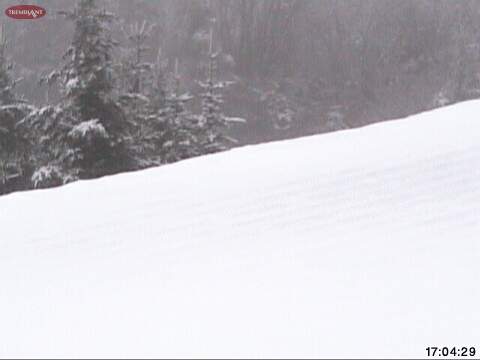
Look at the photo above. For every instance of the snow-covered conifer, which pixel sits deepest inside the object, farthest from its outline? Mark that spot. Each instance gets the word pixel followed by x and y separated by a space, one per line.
pixel 171 127
pixel 213 124
pixel 14 145
pixel 7 96
pixel 136 86
pixel 163 126
pixel 87 82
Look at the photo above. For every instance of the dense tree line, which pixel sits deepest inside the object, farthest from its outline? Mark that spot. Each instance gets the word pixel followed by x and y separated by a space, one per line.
pixel 324 64
pixel 298 67
pixel 111 116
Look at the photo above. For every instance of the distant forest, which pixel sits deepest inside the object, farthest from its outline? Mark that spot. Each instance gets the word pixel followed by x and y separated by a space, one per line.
pixel 166 80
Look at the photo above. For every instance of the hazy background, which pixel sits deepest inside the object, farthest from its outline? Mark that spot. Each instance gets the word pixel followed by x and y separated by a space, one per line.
pixel 300 67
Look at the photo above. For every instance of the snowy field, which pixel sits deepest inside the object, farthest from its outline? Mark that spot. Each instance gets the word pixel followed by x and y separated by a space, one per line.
pixel 361 243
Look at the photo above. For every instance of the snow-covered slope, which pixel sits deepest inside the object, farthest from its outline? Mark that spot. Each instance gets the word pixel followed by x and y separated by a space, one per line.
pixel 357 243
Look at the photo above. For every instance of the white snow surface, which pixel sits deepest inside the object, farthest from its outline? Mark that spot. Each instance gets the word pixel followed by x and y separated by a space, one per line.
pixel 360 243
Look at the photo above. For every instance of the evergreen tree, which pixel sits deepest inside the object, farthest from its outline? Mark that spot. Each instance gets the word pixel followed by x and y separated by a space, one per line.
pixel 101 132
pixel 6 84
pixel 163 126
pixel 159 88
pixel 14 147
pixel 136 79
pixel 279 108
pixel 55 159
pixel 134 69
pixel 176 130
pixel 170 127
pixel 87 135
pixel 213 124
